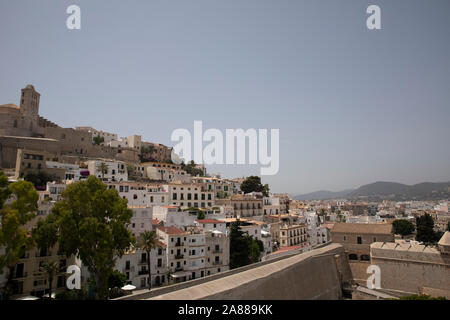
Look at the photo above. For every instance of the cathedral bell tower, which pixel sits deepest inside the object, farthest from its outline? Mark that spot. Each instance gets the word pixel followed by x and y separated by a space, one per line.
pixel 29 102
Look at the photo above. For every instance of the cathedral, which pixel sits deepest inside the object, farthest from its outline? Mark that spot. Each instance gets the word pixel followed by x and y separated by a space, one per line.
pixel 23 128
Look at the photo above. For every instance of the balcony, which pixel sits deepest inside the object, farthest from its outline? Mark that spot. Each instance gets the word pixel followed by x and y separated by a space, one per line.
pixel 178 269
pixel 216 263
pixel 179 256
pixel 179 244
pixel 218 251
pixel 143 261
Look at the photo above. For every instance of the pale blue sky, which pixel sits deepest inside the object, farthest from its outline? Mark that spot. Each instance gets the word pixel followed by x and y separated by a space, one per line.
pixel 353 106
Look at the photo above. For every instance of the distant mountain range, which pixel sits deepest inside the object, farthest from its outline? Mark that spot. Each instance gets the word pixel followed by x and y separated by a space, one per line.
pixel 323 195
pixel 386 190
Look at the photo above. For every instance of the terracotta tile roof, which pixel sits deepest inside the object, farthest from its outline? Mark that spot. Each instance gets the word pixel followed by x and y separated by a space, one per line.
pixel 210 221
pixel 171 230
pixel 362 228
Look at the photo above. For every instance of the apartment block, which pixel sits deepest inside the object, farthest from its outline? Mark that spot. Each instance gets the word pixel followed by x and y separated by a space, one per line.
pixel 141 194
pixel 190 195
pixel 293 235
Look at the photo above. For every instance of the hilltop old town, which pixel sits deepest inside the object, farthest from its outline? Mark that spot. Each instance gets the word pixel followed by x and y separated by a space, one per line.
pixel 136 225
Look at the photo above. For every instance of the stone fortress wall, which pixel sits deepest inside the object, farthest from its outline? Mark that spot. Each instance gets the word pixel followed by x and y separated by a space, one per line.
pixel 313 275
pixel 23 128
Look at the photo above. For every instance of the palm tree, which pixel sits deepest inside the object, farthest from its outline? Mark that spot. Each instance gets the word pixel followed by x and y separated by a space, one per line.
pixel 51 269
pixel 103 168
pixel 147 242
pixel 168 274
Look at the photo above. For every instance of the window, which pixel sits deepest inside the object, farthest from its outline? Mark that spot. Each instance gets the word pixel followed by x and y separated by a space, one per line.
pixel 352 256
pixel 365 257
pixel 359 240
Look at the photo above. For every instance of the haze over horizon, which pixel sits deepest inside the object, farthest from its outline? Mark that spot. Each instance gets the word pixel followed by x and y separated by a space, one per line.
pixel 354 106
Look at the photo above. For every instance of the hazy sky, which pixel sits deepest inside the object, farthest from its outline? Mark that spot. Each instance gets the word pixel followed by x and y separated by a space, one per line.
pixel 353 106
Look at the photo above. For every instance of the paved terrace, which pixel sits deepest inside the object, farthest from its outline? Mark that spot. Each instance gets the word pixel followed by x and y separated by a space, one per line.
pixel 316 274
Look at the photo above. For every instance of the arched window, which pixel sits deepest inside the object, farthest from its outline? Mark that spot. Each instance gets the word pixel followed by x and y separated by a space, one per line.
pixel 352 256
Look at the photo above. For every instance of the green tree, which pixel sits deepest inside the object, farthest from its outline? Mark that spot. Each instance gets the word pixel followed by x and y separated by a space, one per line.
pixel 91 223
pixel 45 233
pixel 148 241
pixel 51 269
pixel 131 169
pixel 403 227
pixel 253 184
pixel 260 245
pixel 254 249
pixel 266 190
pixel 243 248
pixel 220 195
pixel 98 140
pixel 14 237
pixel 116 279
pixel 151 150
pixel 200 215
pixel 4 190
pixel 37 178
pixel 425 229
pixel 239 246
pixel 192 169
pixel 168 275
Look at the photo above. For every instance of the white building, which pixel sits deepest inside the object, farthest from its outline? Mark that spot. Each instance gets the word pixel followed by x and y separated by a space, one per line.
pixel 194 253
pixel 266 238
pixel 134 265
pixel 172 216
pixel 114 170
pixel 107 137
pixel 212 224
pixel 73 171
pixel 141 220
pixel 271 205
pixel 316 234
pixel 167 174
pixel 141 194
pixel 190 195
pixel 134 142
